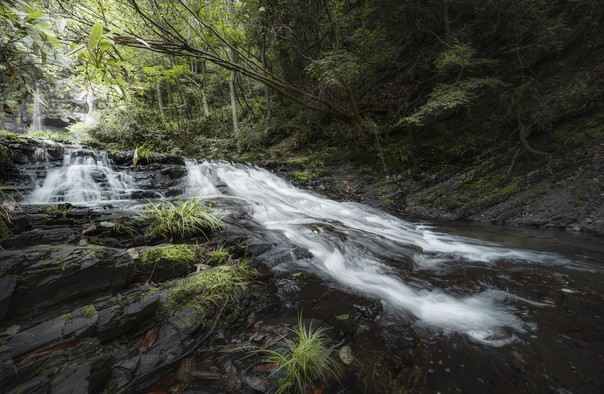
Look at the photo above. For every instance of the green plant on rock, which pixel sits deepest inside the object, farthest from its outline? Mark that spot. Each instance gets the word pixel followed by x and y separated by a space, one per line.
pixel 305 359
pixel 146 152
pixel 57 210
pixel 125 227
pixel 219 256
pixel 88 311
pixel 207 289
pixel 179 220
pixel 170 255
pixel 11 137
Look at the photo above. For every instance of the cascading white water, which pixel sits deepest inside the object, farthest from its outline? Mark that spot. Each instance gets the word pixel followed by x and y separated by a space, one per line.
pixel 200 179
pixel 349 243
pixel 89 119
pixel 84 177
pixel 36 121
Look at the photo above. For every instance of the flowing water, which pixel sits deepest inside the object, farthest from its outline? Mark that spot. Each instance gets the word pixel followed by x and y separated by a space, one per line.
pixel 517 302
pixel 84 177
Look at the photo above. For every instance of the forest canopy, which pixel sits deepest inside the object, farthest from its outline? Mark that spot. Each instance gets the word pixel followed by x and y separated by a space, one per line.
pixel 399 81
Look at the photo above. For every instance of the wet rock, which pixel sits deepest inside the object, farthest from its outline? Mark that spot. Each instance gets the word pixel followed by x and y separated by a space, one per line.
pixel 174 172
pixel 27 341
pixel 48 236
pixel 143 308
pixel 345 354
pixel 21 153
pixel 57 274
pixel 257 383
pixel 7 288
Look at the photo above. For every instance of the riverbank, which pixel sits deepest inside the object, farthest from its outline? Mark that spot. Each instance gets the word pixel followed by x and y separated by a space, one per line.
pixel 563 191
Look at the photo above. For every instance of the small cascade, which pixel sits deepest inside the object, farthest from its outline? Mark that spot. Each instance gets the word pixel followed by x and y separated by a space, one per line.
pixel 84 177
pixel 89 108
pixel 36 122
pixel 200 180
pixel 354 245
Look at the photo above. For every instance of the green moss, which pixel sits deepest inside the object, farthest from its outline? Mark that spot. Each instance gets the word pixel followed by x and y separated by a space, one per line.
pixel 11 137
pixel 88 311
pixel 219 256
pixel 99 254
pixel 497 197
pixel 18 277
pixel 68 317
pixel 207 289
pixel 171 255
pixel 312 166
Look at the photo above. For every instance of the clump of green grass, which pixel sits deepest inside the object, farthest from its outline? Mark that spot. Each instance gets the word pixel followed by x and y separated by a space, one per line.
pixel 207 289
pixel 180 220
pixel 305 359
pixel 123 227
pixel 219 256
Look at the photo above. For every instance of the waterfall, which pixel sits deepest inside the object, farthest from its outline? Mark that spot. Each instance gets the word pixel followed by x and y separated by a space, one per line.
pixel 36 122
pixel 84 177
pixel 89 113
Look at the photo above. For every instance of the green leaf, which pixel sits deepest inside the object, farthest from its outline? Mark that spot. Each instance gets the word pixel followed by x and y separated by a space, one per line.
pixel 104 44
pixel 95 35
pixel 35 14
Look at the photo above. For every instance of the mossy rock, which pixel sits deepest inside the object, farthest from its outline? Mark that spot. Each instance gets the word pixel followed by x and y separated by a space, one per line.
pixel 168 261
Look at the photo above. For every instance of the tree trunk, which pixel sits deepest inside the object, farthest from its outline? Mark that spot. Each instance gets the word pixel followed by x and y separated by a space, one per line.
pixel 160 101
pixel 204 99
pixel 446 22
pixel 267 89
pixel 181 92
pixel 234 59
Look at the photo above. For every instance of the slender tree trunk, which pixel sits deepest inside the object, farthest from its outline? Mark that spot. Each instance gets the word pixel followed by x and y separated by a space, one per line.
pixel 160 101
pixel 267 89
pixel 181 92
pixel 446 22
pixel 23 116
pixel 234 59
pixel 204 99
pixel 234 103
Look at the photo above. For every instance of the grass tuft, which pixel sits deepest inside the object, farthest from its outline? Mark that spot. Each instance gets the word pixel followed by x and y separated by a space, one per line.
pixel 305 360
pixel 183 219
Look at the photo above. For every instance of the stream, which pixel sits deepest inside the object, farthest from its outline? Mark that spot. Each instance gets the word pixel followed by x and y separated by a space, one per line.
pixel 462 307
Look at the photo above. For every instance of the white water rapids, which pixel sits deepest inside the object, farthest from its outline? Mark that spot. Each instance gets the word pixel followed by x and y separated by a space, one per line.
pixel 354 246
pixel 349 242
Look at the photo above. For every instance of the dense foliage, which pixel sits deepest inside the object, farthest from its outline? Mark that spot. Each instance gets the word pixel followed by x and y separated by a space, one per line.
pixel 388 82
